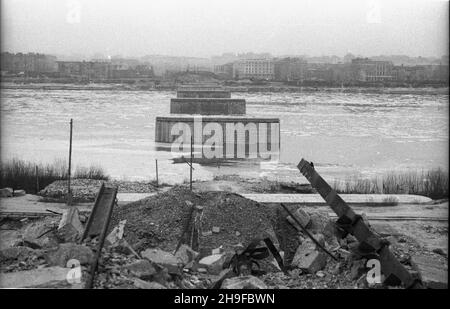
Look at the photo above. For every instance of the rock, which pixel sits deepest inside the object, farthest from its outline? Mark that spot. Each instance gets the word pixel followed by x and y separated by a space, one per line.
pixel 217 250
pixel 245 282
pixel 163 258
pixel 302 216
pixel 202 270
pixel 216 229
pixel 19 193
pixel 117 233
pixel 432 271
pixel 6 192
pixel 141 284
pixel 185 254
pixel 318 221
pixel 37 278
pixel 308 257
pixel 142 269
pixel 213 263
pixel 70 227
pixel 320 274
pixel 439 251
pixel 18 254
pixel 238 233
pixel 34 233
pixel 69 251
pixel 207 233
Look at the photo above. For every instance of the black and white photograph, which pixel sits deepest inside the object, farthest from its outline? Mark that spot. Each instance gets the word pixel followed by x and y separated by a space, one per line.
pixel 203 146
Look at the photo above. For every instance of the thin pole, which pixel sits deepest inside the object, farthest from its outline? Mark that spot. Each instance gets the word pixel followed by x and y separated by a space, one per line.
pixel 157 181
pixel 37 178
pixel 190 179
pixel 69 196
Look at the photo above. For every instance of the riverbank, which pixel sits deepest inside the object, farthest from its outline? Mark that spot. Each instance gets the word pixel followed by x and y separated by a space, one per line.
pixel 245 88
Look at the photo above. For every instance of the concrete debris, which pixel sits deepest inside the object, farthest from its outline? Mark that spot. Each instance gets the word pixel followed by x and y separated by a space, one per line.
pixel 18 253
pixel 6 192
pixel 432 270
pixel 70 227
pixel 217 250
pixel 309 258
pixel 117 233
pixel 245 282
pixel 69 251
pixel 142 269
pixel 49 277
pixel 216 229
pixel 358 268
pixel 41 233
pixel 19 193
pixel 185 254
pixel 213 263
pixel 141 284
pixel 163 258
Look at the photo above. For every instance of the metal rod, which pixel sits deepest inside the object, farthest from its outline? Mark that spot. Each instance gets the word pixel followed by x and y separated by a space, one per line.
pixel 308 233
pixel 37 179
pixel 157 180
pixel 69 193
pixel 192 150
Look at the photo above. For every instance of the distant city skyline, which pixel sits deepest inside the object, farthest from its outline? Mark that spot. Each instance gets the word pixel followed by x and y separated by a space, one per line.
pixel 201 28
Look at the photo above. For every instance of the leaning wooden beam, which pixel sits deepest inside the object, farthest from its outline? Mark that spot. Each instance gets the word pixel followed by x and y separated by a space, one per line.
pixel 350 222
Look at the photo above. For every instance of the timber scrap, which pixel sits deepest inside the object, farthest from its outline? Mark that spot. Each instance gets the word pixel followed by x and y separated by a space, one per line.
pixel 350 222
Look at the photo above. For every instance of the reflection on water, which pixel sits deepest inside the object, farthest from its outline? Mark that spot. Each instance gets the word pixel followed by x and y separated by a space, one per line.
pixel 342 133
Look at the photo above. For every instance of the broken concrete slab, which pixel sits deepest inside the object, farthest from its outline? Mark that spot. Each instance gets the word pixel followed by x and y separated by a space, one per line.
pixel 70 227
pixel 185 254
pixel 163 258
pixel 142 269
pixel 19 193
pixel 65 252
pixel 244 282
pixel 213 263
pixel 42 233
pixel 432 270
pixel 6 192
pixel 308 257
pixel 19 253
pixel 49 277
pixel 141 284
pixel 116 234
pixel 384 229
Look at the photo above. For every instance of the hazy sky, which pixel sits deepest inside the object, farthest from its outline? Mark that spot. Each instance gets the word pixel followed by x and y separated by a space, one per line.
pixel 209 27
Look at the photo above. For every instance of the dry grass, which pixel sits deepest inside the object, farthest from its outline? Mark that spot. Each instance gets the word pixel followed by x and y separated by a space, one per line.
pixel 432 183
pixel 19 174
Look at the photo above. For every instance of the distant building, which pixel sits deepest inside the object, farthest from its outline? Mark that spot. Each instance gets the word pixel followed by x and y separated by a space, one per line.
pixel 104 70
pixel 224 70
pixel 259 69
pixel 289 69
pixel 367 70
pixel 28 63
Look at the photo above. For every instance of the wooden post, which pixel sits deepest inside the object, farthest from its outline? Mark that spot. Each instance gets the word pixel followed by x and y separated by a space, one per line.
pixel 157 180
pixel 69 192
pixel 37 178
pixel 192 150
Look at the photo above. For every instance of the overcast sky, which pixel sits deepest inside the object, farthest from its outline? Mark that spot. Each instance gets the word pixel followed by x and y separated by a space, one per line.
pixel 210 27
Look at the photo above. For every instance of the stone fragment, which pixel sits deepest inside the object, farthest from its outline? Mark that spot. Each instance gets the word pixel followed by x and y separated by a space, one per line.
pixel 68 251
pixel 70 227
pixel 185 254
pixel 163 258
pixel 19 193
pixel 244 282
pixel 37 278
pixel 216 229
pixel 117 233
pixel 308 257
pixel 18 254
pixel 358 269
pixel 141 284
pixel 213 263
pixel 6 192
pixel 142 269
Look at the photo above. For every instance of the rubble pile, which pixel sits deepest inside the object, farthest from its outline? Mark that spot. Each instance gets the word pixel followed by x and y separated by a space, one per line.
pixel 227 219
pixel 85 190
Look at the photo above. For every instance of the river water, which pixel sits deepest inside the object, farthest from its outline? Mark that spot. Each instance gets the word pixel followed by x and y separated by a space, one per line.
pixel 344 134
